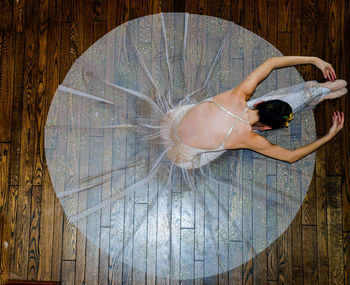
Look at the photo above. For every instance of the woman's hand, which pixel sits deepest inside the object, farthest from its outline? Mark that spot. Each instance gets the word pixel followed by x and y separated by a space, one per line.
pixel 327 69
pixel 338 123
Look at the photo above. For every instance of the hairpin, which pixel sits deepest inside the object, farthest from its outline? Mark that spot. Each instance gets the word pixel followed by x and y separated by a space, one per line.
pixel 288 118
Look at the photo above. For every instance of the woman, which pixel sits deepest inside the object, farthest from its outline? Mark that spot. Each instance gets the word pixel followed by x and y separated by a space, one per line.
pixel 196 134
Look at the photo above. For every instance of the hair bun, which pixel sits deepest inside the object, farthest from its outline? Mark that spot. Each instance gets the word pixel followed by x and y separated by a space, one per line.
pixel 275 113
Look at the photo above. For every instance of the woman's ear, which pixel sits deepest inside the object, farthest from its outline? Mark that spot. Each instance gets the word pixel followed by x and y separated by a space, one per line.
pixel 264 128
pixel 256 104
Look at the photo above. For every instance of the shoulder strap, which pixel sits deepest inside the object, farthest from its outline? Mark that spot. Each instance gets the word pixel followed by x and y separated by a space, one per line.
pixel 230 113
pixel 233 115
pixel 234 124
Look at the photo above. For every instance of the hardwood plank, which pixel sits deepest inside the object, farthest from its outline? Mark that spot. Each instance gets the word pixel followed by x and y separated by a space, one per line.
pixel 93 221
pixel 308 206
pixel 272 21
pixel 12 218
pixel 168 6
pixel 60 227
pixel 76 50
pixel 249 11
pixel 346 247
pixel 321 212
pixel 57 241
pixel 308 40
pixel 198 268
pixel 47 219
pixel 17 105
pixel 112 9
pixel 34 233
pixel 140 248
pixel 296 43
pixel 19 15
pixel 100 10
pixel 107 134
pixel 236 251
pixel 27 147
pixel 68 270
pixel 41 93
pixel 259 220
pixel 344 73
pixel 247 270
pixel 6 81
pixel 285 9
pixel 298 275
pixel 335 236
pixel 187 252
pixel 65 134
pixel 190 6
pixel 220 9
pixel 118 181
pixel 261 21
pixel 297 240
pixel 271 250
pixel 4 208
pixel 238 12
pixel 104 256
pixel 284 242
pixel 175 236
pixel 50 260
pixel 284 43
pixel 284 252
pixel 88 24
pixel 66 7
pixel 6 16
pixel 333 156
pixel 122 14
pixel 309 254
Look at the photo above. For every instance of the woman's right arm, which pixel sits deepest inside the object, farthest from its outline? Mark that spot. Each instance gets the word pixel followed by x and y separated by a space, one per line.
pixel 261 145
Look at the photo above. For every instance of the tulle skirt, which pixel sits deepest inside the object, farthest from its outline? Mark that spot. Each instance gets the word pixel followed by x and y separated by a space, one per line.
pixel 109 168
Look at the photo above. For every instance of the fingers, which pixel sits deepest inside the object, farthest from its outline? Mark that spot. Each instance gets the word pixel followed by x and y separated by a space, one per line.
pixel 338 119
pixel 330 73
pixel 333 72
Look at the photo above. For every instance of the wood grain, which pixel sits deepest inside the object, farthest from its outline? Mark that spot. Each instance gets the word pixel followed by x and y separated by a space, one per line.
pixel 333 52
pixel 5 233
pixel 19 15
pixel 40 40
pixel 27 146
pixel 309 254
pixel 6 81
pixel 335 236
pixel 40 103
pixel 345 142
pixel 346 247
pixel 19 50
pixel 34 234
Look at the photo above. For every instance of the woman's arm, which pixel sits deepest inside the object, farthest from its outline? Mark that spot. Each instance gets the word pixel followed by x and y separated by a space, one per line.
pixel 249 84
pixel 261 145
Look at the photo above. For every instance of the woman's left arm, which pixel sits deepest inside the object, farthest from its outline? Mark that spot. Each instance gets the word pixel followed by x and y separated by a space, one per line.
pixel 249 84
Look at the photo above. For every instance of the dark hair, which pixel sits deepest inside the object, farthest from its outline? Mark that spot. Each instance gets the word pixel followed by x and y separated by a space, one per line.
pixel 273 113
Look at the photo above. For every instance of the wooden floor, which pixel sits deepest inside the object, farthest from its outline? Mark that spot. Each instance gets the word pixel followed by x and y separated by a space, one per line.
pixel 40 40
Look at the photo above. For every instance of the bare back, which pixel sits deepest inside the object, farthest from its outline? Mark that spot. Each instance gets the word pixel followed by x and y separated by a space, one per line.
pixel 205 125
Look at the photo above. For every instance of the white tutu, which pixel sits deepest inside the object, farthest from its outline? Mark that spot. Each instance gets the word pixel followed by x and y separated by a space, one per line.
pixel 109 168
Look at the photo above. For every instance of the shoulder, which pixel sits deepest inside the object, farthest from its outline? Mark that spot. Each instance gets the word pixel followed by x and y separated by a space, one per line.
pixel 239 137
pixel 251 140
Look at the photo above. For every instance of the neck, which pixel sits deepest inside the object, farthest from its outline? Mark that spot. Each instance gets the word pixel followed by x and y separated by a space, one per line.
pixel 253 116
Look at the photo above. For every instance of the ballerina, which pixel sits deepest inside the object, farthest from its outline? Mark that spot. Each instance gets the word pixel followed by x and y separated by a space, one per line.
pixel 197 134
